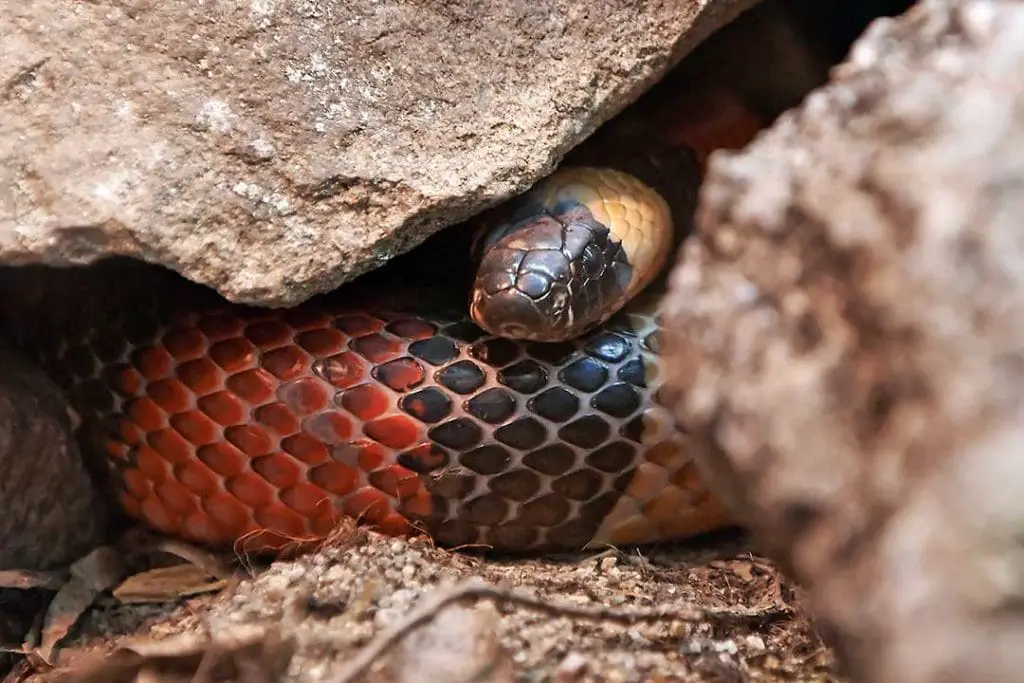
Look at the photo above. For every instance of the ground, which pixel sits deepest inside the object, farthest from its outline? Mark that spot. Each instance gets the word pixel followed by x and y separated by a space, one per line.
pixel 561 618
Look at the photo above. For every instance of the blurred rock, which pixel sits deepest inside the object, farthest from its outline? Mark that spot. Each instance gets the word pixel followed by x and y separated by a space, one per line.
pixel 275 150
pixel 50 511
pixel 459 645
pixel 847 344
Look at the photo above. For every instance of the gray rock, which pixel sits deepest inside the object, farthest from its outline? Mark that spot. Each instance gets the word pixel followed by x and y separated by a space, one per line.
pixel 847 344
pixel 50 511
pixel 274 149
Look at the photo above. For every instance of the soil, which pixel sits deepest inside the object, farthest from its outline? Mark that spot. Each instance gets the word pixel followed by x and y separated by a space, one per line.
pixel 304 620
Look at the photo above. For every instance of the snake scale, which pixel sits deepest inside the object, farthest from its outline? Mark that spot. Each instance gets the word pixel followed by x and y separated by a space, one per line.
pixel 527 420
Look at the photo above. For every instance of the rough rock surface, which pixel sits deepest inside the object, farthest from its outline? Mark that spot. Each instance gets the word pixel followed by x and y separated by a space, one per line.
pixel 277 149
pixel 848 338
pixel 45 487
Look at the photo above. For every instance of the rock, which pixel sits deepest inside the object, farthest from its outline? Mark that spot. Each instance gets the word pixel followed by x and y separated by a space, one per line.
pixel 276 150
pixel 847 344
pixel 52 512
pixel 459 645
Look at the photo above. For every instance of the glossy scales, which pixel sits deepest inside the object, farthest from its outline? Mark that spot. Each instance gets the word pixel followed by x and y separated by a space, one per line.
pixel 636 215
pixel 261 429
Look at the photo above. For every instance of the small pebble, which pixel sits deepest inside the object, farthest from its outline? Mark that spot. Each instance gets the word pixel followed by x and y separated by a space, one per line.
pixel 572 668
pixel 755 643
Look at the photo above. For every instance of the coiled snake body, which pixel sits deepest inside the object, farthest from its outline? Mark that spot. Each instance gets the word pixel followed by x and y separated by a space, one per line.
pixel 534 424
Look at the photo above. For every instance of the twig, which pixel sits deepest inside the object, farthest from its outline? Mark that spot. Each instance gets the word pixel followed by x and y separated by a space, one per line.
pixel 433 603
pixel 23 579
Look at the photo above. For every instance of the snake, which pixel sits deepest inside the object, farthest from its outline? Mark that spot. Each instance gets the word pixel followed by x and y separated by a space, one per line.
pixel 527 415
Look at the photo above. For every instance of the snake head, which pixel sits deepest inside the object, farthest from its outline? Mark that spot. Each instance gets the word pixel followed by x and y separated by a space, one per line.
pixel 551 272
pixel 522 286
pixel 564 257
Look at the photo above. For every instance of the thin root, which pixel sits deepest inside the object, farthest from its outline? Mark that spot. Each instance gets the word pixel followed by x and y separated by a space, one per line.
pixel 432 604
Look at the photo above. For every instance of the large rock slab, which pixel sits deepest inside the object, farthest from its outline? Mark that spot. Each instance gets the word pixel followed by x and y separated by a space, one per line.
pixel 847 344
pixel 277 149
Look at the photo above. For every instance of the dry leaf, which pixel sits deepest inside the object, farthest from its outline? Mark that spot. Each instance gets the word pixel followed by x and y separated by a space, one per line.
pixel 25 579
pixel 744 570
pixel 166 584
pixel 245 654
pixel 90 576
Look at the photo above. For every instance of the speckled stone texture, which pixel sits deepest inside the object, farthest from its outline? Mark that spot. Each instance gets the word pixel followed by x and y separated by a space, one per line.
pixel 846 339
pixel 52 513
pixel 278 149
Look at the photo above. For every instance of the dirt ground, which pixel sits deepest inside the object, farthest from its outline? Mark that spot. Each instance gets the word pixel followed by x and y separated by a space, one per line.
pixel 709 610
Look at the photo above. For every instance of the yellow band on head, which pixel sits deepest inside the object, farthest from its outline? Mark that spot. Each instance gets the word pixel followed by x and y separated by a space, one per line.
pixel 634 213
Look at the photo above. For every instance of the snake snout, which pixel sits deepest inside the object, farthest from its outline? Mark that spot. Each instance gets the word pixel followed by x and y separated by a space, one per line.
pixel 513 314
pixel 517 303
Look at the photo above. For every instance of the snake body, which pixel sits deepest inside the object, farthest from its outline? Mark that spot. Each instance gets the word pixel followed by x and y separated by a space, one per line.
pixel 259 428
